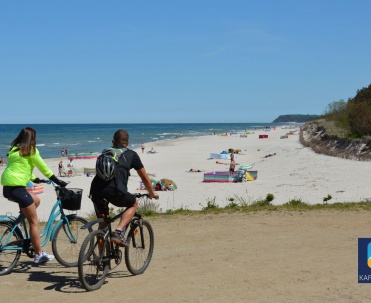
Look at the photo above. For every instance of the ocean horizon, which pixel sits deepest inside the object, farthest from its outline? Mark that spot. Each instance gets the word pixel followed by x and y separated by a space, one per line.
pixel 86 138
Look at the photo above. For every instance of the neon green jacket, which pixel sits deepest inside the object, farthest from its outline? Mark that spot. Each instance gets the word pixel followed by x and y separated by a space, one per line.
pixel 18 172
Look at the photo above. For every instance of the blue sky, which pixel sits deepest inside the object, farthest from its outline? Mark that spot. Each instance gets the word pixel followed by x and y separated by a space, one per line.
pixel 179 60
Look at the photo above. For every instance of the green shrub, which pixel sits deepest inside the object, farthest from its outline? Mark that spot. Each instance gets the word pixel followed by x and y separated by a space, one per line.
pixel 325 199
pixel 147 207
pixel 181 210
pixel 269 198
pixel 232 205
pixel 211 204
pixel 261 203
pixel 295 202
pixel 267 201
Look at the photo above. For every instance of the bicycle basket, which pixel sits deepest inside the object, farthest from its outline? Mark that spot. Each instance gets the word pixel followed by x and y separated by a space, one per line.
pixel 70 198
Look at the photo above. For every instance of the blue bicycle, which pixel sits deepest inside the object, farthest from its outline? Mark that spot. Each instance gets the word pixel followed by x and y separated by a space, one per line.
pixel 66 235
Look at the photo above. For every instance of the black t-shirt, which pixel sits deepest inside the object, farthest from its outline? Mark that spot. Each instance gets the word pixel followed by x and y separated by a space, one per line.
pixel 101 188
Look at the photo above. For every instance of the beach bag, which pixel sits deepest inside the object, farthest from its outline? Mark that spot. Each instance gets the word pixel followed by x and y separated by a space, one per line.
pixel 107 163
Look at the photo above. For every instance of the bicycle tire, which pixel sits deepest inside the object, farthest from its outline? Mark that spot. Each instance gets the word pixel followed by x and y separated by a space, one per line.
pixel 8 258
pixel 93 264
pixel 66 252
pixel 138 258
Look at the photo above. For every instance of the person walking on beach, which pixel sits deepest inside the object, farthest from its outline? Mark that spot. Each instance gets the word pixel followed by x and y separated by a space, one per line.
pixel 232 165
pixel 142 148
pixel 62 152
pixel 23 156
pixel 60 169
pixel 2 161
pixel 115 190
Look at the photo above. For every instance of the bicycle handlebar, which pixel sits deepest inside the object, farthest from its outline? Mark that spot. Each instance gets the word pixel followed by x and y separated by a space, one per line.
pixel 139 195
pixel 46 181
pixel 49 182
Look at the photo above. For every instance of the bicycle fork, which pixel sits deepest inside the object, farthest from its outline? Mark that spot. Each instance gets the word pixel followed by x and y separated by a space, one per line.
pixel 135 225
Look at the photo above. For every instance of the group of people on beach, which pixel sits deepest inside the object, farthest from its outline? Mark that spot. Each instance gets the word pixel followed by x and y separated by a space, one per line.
pixel 64 151
pixel 61 170
pixel 151 151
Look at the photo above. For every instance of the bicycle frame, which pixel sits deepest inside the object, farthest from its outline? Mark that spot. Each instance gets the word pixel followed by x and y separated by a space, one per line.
pixel 137 219
pixel 48 232
pixel 109 220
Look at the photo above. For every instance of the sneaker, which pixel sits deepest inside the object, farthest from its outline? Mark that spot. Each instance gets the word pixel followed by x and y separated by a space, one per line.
pixel 43 258
pixel 118 239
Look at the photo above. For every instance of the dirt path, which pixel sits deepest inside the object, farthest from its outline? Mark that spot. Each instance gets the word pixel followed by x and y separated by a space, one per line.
pixel 262 257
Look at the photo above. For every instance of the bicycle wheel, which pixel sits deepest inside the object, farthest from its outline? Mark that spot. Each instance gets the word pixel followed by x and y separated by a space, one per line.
pixel 93 263
pixel 8 258
pixel 139 252
pixel 66 250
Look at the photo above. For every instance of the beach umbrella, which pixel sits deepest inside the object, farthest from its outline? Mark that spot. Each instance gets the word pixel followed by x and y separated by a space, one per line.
pixel 168 183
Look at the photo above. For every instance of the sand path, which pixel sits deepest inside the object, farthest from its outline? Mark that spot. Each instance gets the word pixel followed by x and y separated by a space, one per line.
pixel 259 257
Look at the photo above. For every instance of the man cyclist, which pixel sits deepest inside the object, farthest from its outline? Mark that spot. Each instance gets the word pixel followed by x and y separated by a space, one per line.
pixel 115 191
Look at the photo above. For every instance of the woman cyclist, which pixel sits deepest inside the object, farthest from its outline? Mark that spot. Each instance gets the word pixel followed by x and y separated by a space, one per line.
pixel 23 156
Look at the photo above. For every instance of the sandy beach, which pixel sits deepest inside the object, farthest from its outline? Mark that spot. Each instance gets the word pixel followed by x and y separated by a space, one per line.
pixel 281 256
pixel 295 172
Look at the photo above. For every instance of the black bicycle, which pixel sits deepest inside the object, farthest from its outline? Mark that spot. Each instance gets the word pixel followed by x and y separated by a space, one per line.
pixel 98 255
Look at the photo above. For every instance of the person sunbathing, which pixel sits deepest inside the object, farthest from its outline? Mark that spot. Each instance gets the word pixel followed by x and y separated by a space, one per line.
pixel 158 186
pixel 269 155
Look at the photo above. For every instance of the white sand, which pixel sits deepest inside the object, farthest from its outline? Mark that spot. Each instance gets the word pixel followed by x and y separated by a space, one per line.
pixel 295 172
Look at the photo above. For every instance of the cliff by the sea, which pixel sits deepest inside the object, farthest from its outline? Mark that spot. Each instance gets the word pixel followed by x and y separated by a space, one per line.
pixel 313 134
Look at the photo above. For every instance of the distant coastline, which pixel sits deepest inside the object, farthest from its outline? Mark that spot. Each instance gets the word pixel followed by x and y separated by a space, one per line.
pixel 295 118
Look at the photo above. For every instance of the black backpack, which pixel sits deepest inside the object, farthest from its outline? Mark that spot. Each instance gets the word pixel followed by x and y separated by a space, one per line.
pixel 113 166
pixel 108 162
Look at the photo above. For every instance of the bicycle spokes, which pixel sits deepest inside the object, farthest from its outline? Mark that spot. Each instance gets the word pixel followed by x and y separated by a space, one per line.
pixel 94 260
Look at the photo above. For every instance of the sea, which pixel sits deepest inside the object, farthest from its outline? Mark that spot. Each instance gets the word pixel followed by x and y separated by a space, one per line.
pixel 93 138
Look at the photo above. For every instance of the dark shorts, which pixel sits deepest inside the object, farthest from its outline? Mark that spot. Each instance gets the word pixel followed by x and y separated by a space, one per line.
pixel 18 194
pixel 231 170
pixel 120 201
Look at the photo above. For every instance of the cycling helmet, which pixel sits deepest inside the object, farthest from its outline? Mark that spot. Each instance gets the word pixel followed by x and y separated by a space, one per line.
pixel 105 166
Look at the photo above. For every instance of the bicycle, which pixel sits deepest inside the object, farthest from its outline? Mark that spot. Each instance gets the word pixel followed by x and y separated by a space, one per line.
pixel 97 251
pixel 66 235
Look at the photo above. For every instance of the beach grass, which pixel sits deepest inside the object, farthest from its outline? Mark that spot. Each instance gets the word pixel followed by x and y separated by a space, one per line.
pixel 240 205
pixel 259 206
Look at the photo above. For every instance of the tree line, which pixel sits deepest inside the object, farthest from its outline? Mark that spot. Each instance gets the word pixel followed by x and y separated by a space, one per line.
pixel 353 115
pixel 295 118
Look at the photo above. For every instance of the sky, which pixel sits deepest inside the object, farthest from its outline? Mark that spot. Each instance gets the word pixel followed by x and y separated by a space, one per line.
pixel 174 61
